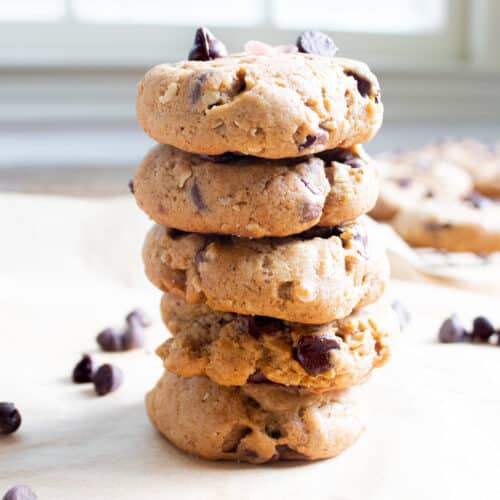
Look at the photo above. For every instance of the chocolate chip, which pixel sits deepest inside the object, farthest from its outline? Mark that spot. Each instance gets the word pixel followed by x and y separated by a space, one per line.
pixel 107 379
pixel 196 197
pixel 482 329
pixel 316 42
pixel 437 226
pixel 429 194
pixel 138 315
pixel 20 492
pixel 257 378
pixel 83 370
pixel 206 46
pixel 110 340
pixel 10 418
pixel 260 325
pixel 313 353
pixel 131 186
pixel 402 313
pixel 224 157
pixel 273 431
pixel 451 331
pixel 311 211
pixel 404 182
pixel 341 155
pixel 364 86
pixel 477 200
pixel 310 140
pixel 133 336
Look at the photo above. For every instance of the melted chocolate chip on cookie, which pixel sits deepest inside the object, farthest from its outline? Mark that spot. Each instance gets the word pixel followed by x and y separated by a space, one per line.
pixel 313 353
pixel 364 85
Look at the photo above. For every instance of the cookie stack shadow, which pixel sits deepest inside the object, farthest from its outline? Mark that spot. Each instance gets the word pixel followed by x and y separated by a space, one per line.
pixel 271 274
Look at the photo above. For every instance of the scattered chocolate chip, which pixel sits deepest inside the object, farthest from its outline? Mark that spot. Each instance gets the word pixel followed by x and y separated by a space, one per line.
pixel 10 418
pixel 133 337
pixel 451 331
pixel 83 370
pixel 321 232
pixel 138 315
pixel 404 182
pixel 403 314
pixel 477 200
pixel 107 379
pixel 131 186
pixel 311 211
pixel 20 492
pixel 224 157
pixel 437 226
pixel 341 155
pixel 313 353
pixel 257 378
pixel 206 46
pixel 364 86
pixel 196 197
pixel 316 42
pixel 482 329
pixel 310 140
pixel 110 340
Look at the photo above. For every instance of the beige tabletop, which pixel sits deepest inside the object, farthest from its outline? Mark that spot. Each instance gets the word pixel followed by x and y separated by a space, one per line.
pixel 69 267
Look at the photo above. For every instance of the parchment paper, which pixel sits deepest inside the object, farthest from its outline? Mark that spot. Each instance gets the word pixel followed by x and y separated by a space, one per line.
pixel 69 267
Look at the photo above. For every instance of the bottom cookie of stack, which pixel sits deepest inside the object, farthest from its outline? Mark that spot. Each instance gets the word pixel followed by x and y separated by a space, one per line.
pixel 256 423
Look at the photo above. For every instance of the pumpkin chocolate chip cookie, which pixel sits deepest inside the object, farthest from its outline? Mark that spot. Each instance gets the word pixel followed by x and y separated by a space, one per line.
pixel 233 194
pixel 232 349
pixel 256 423
pixel 314 277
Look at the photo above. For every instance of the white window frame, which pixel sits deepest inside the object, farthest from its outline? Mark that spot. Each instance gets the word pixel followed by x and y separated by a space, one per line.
pixel 39 44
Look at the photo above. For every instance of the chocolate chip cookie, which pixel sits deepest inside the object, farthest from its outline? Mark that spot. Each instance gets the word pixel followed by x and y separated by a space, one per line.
pixel 256 423
pixel 279 105
pixel 471 225
pixel 408 180
pixel 232 349
pixel 252 197
pixel 315 277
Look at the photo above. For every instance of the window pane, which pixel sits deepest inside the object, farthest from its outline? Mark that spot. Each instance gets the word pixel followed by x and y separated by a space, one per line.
pixel 388 16
pixel 31 10
pixel 180 12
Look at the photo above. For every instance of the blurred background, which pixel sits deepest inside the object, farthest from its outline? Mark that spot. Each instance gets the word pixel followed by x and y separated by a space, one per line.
pixel 68 70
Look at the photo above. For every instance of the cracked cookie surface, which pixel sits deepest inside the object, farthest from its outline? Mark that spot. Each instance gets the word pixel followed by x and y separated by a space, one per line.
pixel 232 349
pixel 314 277
pixel 278 106
pixel 256 423
pixel 252 197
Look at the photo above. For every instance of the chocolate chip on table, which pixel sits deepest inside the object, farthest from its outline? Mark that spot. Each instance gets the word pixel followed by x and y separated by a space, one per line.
pixel 10 418
pixel 206 46
pixel 313 353
pixel 107 379
pixel 133 337
pixel 364 85
pixel 451 331
pixel 83 370
pixel 482 329
pixel 402 313
pixel 477 200
pixel 316 42
pixel 110 340
pixel 138 315
pixel 20 492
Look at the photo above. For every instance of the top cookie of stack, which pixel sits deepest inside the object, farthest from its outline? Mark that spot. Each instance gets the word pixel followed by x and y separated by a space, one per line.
pixel 269 131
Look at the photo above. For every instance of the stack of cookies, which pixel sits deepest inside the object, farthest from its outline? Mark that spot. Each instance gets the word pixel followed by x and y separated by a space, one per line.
pixel 272 276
